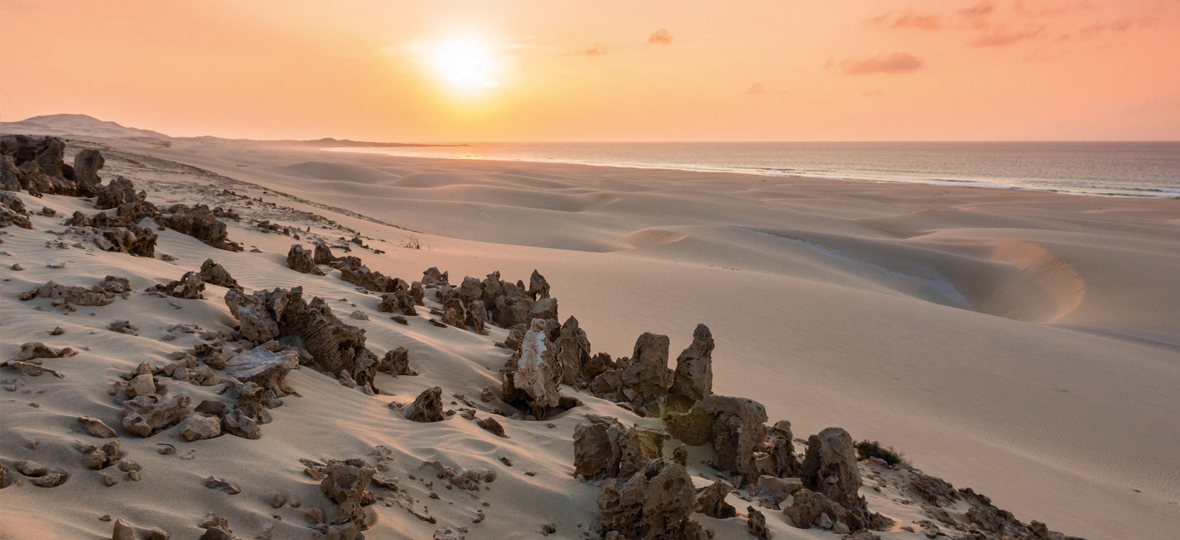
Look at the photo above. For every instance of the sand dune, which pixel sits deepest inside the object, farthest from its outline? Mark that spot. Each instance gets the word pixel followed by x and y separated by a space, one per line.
pixel 1024 344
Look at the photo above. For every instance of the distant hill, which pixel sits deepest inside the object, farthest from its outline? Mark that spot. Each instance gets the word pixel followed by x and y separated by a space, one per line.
pixel 76 124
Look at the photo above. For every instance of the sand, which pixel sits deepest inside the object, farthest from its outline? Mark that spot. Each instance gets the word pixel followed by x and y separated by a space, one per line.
pixel 1023 344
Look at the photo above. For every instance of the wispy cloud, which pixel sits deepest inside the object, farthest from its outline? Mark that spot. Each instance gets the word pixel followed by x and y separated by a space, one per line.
pixel 660 37
pixel 756 88
pixel 978 13
pixel 906 20
pixel 891 63
pixel 599 49
pixel 1002 36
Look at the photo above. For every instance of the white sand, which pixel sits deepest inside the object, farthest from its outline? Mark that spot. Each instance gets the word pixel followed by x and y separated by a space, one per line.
pixel 1023 344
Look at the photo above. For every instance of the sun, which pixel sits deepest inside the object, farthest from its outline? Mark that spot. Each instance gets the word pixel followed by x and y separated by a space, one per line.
pixel 464 64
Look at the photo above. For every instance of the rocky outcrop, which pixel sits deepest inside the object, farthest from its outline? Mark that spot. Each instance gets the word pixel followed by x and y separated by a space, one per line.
pixel 781 450
pixel 86 166
pixel 428 407
pixel 199 222
pixel 396 362
pixel 13 211
pixel 810 509
pixel 829 467
pixel 346 484
pixel 114 233
pixel 301 260
pixel 395 302
pixel 756 524
pixel 188 287
pixel 605 448
pixel 323 254
pixel 9 174
pixel 118 192
pixel 655 503
pixel 775 490
pixel 215 274
pixel 734 425
pixel 538 287
pixel 573 351
pixel 432 278
pixel 645 378
pixel 352 271
pixel 147 415
pixel 531 378
pixel 98 295
pixel 693 379
pixel 265 368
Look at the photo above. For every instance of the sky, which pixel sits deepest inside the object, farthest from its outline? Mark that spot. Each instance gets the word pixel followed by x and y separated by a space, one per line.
pixel 602 70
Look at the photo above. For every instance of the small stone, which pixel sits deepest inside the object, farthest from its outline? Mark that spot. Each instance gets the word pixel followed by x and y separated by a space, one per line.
pixel 214 482
pixel 123 531
pixel 97 428
pixel 108 480
pixel 57 331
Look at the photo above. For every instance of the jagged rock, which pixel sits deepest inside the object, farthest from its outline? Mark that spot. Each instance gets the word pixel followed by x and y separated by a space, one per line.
pixel 50 156
pixel 775 490
pixel 13 211
pixel 646 377
pixel 146 415
pixel 240 424
pixel 531 379
pixel 781 450
pixel 199 426
pixel 936 491
pixel 300 260
pixel 219 484
pixel 490 424
pixel 265 368
pixel 117 234
pixel 86 166
pixel 808 509
pixel 655 503
pixel 255 313
pixel 97 428
pixel 117 192
pixel 756 524
pixel 323 254
pixel 9 174
pixel 511 306
pixel 573 351
pixel 123 326
pixel 693 379
pixel 40 475
pixel 346 483
pixel 734 425
pixel 538 287
pixel 215 274
pixel 359 315
pixel 710 500
pixel 545 308
pixel 352 271
pixel 123 531
pixel 99 295
pixel 394 302
pixel 198 222
pixel 35 350
pixel 465 479
pixel 217 533
pixel 396 362
pixel 428 407
pixel 30 468
pixel 432 278
pixel 605 448
pixel 189 287
pixel 829 467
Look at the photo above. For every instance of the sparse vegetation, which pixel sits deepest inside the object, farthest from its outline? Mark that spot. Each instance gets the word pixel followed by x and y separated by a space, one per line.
pixel 413 242
pixel 872 449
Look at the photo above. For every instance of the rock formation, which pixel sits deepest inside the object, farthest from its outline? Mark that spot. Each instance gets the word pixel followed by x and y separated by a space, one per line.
pixel 265 368
pixel 829 467
pixel 531 378
pixel 427 407
pixel 146 415
pixel 655 503
pixel 300 260
pixel 13 212
pixel 756 524
pixel 693 379
pixel 98 295
pixel 189 286
pixel 573 351
pixel 605 448
pixel 215 274
pixel 781 450
pixel 346 484
pixel 710 500
pixel 86 166
pixel 198 222
pixel 538 287
pixel 396 362
pixel 734 425
pixel 645 378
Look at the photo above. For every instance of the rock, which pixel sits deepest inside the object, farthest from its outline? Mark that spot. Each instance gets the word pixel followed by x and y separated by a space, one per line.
pixel 323 254
pixel 219 484
pixel 123 326
pixel 573 351
pixel 117 192
pixel 199 426
pixel 51 478
pixel 278 500
pixel 808 509
pixel 13 211
pixel 359 315
pixel 352 271
pixel 710 500
pixel 831 455
pixel 300 260
pixel 189 286
pixel 98 295
pixel 510 307
pixel 605 448
pixel 781 450
pixel 265 368
pixel 86 166
pixel 9 174
pixel 146 415
pixel 216 533
pixel 397 362
pixel 345 483
pixel 775 490
pixel 255 313
pixel 97 428
pixel 756 524
pixel 936 491
pixel 215 274
pixel 240 424
pixel 490 424
pixel 123 531
pixel 31 468
pixel 156 534
pixel 199 222
pixel 646 378
pixel 538 287
pixel 532 380
pixel 693 379
pixel 655 503
pixel 432 278
pixel 427 407
pixel 57 331
pixel 35 350
pixel 3 474
pixel 734 425
pixel 545 308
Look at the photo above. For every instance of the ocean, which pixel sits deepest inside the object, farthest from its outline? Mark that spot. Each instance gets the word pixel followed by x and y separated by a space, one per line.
pixel 1120 169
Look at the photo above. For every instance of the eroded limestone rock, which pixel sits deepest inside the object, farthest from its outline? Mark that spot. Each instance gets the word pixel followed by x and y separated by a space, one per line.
pixel 265 368
pixel 189 286
pixel 573 351
pixel 710 500
pixel 605 448
pixel 97 428
pixel 734 425
pixel 301 260
pixel 645 379
pixel 98 295
pixel 199 426
pixel 693 379
pixel 829 467
pixel 346 484
pixel 531 378
pixel 654 503
pixel 215 274
pixel 428 406
pixel 146 415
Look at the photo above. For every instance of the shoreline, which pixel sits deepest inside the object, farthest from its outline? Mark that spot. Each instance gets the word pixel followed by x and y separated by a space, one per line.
pixel 1147 193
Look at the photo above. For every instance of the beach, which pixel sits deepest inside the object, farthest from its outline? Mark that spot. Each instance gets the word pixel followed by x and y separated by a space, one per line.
pixel 1023 344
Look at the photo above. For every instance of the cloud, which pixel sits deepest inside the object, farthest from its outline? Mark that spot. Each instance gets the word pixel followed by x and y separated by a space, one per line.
pixel 660 37
pixel 978 13
pixel 907 20
pixel 599 49
pixel 756 88
pixel 1002 36
pixel 895 63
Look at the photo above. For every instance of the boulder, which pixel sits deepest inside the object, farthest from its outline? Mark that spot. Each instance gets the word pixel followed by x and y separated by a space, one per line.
pixel 396 362
pixel 300 260
pixel 199 426
pixel 35 350
pixel 693 379
pixel 605 448
pixel 323 254
pixel 432 278
pixel 198 222
pixel 346 484
pixel 491 425
pixel 756 524
pixel 781 450
pixel 97 428
pixel 645 379
pixel 808 509
pixel 9 174
pixel 264 368
pixel 710 500
pixel 189 286
pixel 86 166
pixel 538 287
pixel 573 351
pixel 829 467
pixel 428 406
pixel 13 211
pixel 775 490
pixel 734 425
pixel 215 274
pixel 118 192
pixel 532 380
pixel 654 503
pixel 545 308
pixel 146 415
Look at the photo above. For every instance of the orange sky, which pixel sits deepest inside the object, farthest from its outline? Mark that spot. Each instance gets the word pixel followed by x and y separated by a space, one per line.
pixel 600 70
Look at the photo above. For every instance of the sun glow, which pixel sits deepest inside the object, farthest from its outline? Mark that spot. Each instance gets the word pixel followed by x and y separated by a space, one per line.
pixel 464 64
